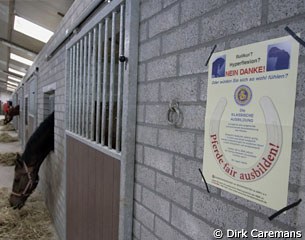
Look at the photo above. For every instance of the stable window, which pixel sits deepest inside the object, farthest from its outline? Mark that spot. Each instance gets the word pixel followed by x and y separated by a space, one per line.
pixel 32 97
pixel 48 103
pixel 48 99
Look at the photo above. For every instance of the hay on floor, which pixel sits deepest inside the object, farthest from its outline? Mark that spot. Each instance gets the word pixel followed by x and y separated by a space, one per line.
pixel 8 159
pixel 2 122
pixel 6 138
pixel 32 222
pixel 8 127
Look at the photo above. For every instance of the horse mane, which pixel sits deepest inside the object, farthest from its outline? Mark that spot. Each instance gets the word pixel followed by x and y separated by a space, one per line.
pixel 40 143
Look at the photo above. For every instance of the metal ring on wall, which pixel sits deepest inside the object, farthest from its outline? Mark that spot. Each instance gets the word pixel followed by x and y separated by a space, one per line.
pixel 173 113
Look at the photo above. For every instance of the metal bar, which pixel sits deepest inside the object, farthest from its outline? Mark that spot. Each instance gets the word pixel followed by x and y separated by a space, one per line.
pixel 111 91
pixel 93 91
pixel 105 73
pixel 18 47
pixel 12 75
pixel 81 86
pixel 84 120
pixel 120 75
pixel 99 84
pixel 76 89
pixel 67 89
pixel 129 97
pixel 73 89
pixel 88 83
pixel 70 89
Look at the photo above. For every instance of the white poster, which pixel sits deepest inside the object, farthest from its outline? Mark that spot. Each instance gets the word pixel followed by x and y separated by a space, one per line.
pixel 249 120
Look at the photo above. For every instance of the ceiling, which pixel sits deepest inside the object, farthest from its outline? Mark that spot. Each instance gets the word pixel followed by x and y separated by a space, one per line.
pixel 46 13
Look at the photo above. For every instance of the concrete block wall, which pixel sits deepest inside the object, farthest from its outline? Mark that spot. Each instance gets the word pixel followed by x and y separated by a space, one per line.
pixel 175 40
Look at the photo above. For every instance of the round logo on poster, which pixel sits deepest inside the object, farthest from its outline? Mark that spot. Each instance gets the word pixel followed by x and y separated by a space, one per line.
pixel 243 95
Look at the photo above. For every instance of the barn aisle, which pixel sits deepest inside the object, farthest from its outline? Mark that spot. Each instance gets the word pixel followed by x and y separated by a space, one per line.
pixel 33 219
pixel 7 172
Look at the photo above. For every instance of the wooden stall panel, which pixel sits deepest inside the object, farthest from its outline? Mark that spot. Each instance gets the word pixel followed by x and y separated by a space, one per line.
pixel 92 193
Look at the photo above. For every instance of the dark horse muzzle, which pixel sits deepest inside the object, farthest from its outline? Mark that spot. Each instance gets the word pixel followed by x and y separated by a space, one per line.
pixel 17 200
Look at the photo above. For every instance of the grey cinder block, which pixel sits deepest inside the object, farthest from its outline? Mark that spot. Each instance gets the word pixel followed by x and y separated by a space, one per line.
pixel 184 89
pixel 145 176
pixel 149 49
pixel 224 23
pixel 174 189
pixel 191 9
pixel 177 141
pixel 181 38
pixel 144 216
pixel 191 225
pixel 146 135
pixel 217 211
pixel 149 8
pixel 162 68
pixel 147 235
pixel 165 231
pixel 148 92
pixel 164 21
pixel 279 9
pixel 158 159
pixel 156 204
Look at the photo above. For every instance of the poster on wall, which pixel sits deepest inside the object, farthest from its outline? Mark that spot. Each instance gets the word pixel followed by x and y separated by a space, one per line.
pixel 249 120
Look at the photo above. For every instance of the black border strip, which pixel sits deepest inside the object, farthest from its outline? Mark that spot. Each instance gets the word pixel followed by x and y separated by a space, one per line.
pixel 295 36
pixel 284 209
pixel 206 185
pixel 207 62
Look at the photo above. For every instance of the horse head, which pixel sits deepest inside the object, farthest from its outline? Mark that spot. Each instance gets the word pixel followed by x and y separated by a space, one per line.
pixel 25 182
pixel 13 111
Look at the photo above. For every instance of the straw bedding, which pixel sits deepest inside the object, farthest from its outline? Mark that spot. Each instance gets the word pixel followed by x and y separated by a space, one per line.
pixel 6 138
pixel 8 127
pixel 8 159
pixel 32 222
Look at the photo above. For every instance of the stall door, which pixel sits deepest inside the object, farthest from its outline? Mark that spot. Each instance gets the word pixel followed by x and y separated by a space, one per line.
pixel 99 192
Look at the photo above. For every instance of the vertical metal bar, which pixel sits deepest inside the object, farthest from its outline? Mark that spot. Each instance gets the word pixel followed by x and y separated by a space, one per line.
pixel 84 103
pixel 76 88
pixel 88 83
pixel 111 91
pixel 105 81
pixel 93 91
pixel 99 84
pixel 81 85
pixel 120 75
pixel 70 89
pixel 73 89
pixel 129 97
